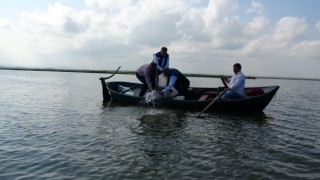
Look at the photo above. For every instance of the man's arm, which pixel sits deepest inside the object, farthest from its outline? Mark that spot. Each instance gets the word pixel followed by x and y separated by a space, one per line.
pixel 148 80
pixel 173 79
pixel 167 63
pixel 155 60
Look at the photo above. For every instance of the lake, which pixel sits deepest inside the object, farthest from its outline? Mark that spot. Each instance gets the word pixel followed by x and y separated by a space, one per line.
pixel 53 125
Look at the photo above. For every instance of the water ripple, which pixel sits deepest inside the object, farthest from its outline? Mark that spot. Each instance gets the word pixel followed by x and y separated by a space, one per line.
pixel 49 130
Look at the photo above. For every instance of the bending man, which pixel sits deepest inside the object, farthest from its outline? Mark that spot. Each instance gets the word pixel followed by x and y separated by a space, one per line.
pixel 148 75
pixel 177 80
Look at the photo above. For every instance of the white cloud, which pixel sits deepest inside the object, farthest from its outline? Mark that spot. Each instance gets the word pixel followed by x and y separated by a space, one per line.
pixel 5 23
pixel 218 11
pixel 206 38
pixel 256 7
pixel 281 42
pixel 289 28
pixel 111 6
pixel 14 51
pixel 257 26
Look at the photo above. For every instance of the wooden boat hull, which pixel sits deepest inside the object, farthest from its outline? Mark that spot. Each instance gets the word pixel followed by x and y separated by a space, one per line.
pixel 126 93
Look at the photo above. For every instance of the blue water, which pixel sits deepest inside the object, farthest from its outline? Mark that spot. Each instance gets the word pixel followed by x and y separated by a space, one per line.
pixel 53 125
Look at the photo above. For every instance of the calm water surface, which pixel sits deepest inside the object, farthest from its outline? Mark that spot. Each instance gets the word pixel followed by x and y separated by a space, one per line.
pixel 54 126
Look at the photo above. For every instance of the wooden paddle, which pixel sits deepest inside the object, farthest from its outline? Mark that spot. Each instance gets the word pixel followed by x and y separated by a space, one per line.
pixel 212 102
pixel 224 79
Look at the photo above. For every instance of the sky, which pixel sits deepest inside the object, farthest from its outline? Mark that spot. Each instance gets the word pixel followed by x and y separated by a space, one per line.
pixel 267 37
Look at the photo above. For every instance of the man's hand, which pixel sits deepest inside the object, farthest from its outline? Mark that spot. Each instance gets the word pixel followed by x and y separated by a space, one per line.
pixel 224 81
pixel 224 78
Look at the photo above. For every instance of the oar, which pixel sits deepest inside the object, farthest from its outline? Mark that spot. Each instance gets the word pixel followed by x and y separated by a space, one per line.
pixel 223 79
pixel 104 78
pixel 212 102
pixel 105 92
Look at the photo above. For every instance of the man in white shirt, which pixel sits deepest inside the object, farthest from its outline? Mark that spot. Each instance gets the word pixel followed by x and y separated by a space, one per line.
pixel 235 85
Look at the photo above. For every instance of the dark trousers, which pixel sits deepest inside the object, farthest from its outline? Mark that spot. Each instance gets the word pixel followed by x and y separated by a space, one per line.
pixel 182 86
pixel 145 85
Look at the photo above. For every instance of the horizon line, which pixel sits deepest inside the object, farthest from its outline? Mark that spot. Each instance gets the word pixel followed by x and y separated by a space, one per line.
pixel 132 72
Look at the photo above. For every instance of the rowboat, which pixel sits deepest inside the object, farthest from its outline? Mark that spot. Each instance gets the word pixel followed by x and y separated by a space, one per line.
pixel 196 99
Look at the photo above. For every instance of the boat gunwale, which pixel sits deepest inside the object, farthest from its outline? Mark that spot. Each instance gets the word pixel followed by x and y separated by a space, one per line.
pixel 271 89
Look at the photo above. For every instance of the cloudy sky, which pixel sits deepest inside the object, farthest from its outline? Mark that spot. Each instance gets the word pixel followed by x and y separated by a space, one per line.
pixel 268 37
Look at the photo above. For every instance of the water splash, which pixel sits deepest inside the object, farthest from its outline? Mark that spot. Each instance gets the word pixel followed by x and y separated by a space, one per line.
pixel 151 97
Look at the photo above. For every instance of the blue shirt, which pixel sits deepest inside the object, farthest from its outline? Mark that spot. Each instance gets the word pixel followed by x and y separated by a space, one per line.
pixel 172 79
pixel 161 61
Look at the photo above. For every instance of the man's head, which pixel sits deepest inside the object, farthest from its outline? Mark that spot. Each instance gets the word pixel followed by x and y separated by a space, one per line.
pixel 163 51
pixel 166 71
pixel 153 67
pixel 236 67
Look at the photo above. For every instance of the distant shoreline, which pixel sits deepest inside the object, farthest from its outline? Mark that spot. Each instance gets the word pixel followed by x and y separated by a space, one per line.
pixel 133 72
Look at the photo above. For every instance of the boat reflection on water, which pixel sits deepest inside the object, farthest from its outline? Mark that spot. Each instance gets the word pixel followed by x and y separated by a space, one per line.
pixel 260 118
